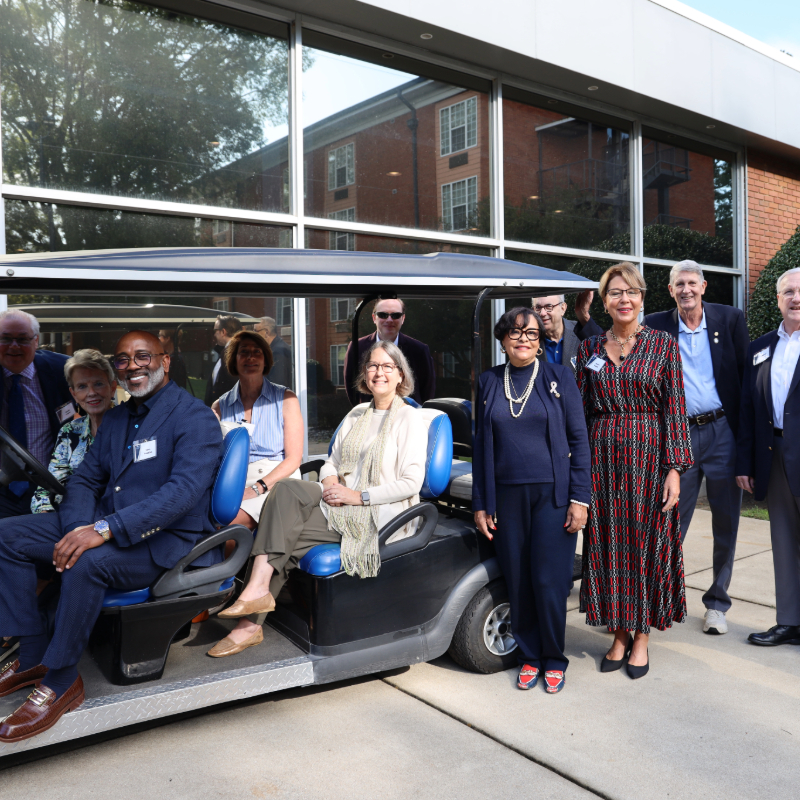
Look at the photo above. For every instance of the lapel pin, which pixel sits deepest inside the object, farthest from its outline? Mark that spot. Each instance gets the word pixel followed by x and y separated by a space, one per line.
pixel 553 387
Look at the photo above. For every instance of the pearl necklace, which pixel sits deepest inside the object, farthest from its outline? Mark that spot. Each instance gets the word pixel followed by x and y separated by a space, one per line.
pixel 523 398
pixel 622 344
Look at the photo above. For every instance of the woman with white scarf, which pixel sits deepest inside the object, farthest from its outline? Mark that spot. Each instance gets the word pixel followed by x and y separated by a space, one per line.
pixel 375 471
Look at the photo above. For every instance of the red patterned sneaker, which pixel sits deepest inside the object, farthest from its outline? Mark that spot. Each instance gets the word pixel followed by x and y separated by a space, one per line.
pixel 528 677
pixel 554 681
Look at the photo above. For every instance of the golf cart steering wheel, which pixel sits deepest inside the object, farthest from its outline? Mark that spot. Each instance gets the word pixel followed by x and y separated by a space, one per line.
pixel 20 465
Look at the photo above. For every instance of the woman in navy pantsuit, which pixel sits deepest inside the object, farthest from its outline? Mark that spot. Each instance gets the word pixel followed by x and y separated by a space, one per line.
pixel 530 489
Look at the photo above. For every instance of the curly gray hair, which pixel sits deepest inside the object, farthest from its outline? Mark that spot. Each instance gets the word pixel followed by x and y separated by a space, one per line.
pixel 406 386
pixel 88 359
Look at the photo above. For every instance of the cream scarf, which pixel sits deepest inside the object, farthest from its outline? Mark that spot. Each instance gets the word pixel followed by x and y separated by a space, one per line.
pixel 358 525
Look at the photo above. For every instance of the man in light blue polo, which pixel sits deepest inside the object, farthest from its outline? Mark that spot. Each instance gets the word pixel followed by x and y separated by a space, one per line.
pixel 713 342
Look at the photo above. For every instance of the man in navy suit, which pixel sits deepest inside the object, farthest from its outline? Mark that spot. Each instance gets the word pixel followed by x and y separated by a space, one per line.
pixel 713 342
pixel 135 506
pixel 34 400
pixel 768 462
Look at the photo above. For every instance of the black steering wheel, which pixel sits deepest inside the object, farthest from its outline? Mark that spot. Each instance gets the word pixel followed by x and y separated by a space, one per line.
pixel 20 465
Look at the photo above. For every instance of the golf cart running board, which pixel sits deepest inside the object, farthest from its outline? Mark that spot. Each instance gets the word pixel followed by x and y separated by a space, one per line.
pixel 163 700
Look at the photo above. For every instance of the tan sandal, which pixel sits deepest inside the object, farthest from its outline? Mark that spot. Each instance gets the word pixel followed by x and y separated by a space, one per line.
pixel 244 608
pixel 227 647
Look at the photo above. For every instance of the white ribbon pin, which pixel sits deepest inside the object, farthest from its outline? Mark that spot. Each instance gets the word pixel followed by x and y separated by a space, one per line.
pixel 553 387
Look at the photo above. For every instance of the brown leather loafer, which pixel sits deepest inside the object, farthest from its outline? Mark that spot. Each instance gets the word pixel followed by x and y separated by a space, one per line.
pixel 12 679
pixel 227 647
pixel 244 608
pixel 40 712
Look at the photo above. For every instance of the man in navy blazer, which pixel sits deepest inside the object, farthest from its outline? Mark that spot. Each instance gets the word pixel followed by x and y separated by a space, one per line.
pixel 35 380
pixel 713 342
pixel 136 505
pixel 768 461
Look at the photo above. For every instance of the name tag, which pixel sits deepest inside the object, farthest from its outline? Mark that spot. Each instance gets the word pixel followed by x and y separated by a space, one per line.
pixel 144 449
pixel 761 355
pixel 65 413
pixel 595 363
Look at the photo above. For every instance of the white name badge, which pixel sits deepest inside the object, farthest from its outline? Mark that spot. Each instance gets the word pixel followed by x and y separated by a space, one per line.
pixel 65 413
pixel 595 363
pixel 761 355
pixel 144 449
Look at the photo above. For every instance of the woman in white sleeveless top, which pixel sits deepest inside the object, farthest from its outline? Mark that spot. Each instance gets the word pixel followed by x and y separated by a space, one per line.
pixel 271 414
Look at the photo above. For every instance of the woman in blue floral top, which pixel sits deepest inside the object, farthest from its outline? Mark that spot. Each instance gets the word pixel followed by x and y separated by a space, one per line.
pixel 92 384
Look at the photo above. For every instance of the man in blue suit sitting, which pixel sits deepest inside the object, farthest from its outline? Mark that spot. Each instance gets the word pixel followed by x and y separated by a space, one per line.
pixel 135 506
pixel 34 399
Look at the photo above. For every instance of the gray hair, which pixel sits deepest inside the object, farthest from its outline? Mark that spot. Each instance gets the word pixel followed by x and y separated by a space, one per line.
pixel 561 299
pixel 685 266
pixel 18 312
pixel 792 271
pixel 88 359
pixel 405 387
pixel 270 324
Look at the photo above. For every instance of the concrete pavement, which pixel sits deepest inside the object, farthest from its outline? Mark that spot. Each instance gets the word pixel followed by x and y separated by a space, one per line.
pixel 715 718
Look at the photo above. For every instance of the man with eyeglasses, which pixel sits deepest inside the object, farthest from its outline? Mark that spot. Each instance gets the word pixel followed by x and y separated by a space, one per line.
pixel 138 504
pixel 281 372
pixel 221 380
pixel 389 315
pixel 563 336
pixel 768 461
pixel 35 402
pixel 713 342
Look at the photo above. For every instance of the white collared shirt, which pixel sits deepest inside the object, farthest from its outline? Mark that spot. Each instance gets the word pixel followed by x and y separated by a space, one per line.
pixel 784 363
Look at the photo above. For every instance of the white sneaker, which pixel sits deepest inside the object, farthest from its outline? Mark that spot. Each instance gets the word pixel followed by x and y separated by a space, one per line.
pixel 715 622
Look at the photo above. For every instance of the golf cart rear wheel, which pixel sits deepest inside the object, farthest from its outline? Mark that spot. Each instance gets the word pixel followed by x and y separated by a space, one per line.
pixel 483 641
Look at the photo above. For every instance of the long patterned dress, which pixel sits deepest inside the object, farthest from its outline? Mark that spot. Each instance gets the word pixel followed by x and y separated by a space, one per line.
pixel 638 430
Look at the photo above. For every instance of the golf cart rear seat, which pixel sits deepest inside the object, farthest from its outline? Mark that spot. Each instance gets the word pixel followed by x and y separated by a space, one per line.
pixel 324 559
pixel 459 411
pixel 133 634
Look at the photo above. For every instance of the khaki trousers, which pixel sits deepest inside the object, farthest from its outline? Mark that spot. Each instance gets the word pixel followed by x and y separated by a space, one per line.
pixel 291 524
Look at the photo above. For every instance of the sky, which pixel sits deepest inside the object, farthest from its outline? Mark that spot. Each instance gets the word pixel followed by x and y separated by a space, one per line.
pixel 774 22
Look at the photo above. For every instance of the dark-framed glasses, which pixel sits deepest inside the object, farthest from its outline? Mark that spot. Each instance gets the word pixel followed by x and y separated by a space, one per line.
pixel 531 334
pixel 388 369
pixel 253 352
pixel 548 309
pixel 615 294
pixel 395 315
pixel 141 359
pixel 20 341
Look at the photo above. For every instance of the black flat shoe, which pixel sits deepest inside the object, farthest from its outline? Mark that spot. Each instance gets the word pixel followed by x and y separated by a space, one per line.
pixel 612 665
pixel 639 672
pixel 777 634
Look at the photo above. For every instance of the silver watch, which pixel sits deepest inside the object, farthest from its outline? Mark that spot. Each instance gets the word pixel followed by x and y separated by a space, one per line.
pixel 103 528
pixel 365 498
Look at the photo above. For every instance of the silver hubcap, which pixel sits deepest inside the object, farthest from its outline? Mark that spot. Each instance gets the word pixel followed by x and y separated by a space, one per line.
pixel 497 634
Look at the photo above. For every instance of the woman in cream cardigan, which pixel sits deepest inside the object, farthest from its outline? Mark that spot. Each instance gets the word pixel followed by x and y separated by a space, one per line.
pixel 375 471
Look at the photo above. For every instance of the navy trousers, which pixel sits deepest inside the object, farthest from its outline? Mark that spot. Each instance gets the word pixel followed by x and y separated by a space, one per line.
pixel 536 555
pixel 28 541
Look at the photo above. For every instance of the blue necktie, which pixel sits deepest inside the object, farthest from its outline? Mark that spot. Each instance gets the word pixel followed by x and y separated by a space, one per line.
pixel 17 427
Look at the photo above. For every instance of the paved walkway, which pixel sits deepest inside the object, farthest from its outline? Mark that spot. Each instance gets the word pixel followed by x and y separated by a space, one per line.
pixel 715 718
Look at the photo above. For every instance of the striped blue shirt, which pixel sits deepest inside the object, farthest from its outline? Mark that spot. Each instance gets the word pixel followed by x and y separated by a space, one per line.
pixel 266 418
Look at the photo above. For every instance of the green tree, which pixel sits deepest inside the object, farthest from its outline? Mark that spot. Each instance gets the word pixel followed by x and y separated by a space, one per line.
pixel 762 311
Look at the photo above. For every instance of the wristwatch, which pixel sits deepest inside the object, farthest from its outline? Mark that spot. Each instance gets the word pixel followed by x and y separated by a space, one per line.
pixel 255 488
pixel 365 498
pixel 103 529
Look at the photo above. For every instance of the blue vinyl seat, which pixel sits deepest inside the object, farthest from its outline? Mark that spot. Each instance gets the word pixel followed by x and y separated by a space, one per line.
pixel 324 559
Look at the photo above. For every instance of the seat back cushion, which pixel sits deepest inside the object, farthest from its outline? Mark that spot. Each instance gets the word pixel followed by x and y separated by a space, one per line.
pixel 460 413
pixel 439 457
pixel 226 496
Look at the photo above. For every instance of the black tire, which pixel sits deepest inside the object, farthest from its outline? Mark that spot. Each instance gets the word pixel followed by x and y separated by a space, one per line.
pixel 469 648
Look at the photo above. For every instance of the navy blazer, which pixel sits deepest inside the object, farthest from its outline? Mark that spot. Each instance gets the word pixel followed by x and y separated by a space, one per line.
pixel 162 503
pixel 728 355
pixel 566 435
pixel 50 372
pixel 754 454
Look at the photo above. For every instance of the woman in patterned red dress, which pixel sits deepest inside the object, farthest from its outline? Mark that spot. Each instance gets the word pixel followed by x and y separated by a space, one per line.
pixel 631 381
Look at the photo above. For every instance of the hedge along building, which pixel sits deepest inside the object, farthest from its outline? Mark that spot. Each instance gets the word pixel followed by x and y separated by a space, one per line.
pixel 548 131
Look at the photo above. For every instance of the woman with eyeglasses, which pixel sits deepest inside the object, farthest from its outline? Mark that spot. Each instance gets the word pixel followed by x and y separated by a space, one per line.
pixel 92 384
pixel 375 471
pixel 631 381
pixel 531 488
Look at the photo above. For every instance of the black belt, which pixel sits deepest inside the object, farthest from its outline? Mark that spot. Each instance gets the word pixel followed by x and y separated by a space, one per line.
pixel 777 432
pixel 710 416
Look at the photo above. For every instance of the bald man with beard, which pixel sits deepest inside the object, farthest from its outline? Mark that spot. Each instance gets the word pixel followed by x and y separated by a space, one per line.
pixel 138 503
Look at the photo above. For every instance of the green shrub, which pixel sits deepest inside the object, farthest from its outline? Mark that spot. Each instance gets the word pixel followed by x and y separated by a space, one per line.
pixel 763 315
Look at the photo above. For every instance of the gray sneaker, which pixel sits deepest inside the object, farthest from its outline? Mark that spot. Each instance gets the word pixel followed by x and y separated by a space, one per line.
pixel 715 622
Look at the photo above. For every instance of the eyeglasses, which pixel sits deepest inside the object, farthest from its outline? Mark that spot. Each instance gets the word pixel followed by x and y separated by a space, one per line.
pixel 395 315
pixel 531 334
pixel 140 359
pixel 254 353
pixel 388 369
pixel 787 293
pixel 548 308
pixel 20 341
pixel 615 294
